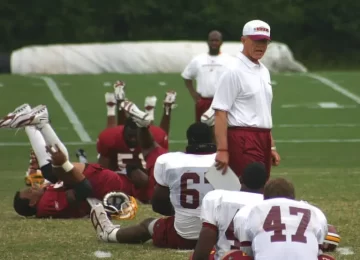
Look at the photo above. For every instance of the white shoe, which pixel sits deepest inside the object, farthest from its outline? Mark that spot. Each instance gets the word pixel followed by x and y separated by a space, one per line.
pixel 140 117
pixel 7 120
pixel 38 117
pixel 208 117
pixel 150 104
pixel 169 101
pixel 110 99
pixel 101 223
pixel 119 90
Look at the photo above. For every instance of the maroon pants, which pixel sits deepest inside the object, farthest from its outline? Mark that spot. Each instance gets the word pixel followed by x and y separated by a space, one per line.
pixel 201 106
pixel 247 145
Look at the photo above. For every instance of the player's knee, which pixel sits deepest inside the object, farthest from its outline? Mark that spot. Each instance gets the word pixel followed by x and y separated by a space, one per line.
pixel 148 225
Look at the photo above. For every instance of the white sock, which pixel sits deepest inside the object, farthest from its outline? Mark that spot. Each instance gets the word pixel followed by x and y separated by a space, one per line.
pixel 151 113
pixel 51 138
pixel 111 110
pixel 151 226
pixel 38 144
pixel 112 235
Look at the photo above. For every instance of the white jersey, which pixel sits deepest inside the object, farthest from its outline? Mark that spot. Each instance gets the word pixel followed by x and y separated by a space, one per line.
pixel 184 174
pixel 219 208
pixel 206 70
pixel 245 92
pixel 281 229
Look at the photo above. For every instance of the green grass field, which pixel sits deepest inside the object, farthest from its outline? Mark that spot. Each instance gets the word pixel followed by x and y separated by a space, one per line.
pixel 319 147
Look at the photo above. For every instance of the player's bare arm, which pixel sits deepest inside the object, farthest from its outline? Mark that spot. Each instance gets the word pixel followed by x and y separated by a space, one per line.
pixel 207 240
pixel 146 141
pixel 137 175
pixel 274 154
pixel 161 201
pixel 71 175
pixel 169 103
pixel 222 156
pixel 190 86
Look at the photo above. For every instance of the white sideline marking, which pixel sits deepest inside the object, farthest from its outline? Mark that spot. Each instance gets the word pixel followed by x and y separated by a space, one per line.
pixel 300 141
pixel 335 86
pixel 315 125
pixel 345 251
pixel 69 112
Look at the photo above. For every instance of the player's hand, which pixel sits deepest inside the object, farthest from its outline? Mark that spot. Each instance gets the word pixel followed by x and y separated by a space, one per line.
pixel 58 158
pixel 222 160
pixel 275 158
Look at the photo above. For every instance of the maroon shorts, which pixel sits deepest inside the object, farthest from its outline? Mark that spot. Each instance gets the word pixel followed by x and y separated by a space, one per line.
pixel 201 106
pixel 247 145
pixel 165 235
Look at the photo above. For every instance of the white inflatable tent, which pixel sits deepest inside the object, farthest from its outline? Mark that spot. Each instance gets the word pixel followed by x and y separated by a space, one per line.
pixel 133 57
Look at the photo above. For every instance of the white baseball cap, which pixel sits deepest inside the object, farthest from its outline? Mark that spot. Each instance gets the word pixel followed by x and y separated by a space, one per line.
pixel 257 30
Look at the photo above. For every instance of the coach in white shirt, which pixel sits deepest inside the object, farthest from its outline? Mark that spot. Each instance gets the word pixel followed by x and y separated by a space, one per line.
pixel 242 105
pixel 206 69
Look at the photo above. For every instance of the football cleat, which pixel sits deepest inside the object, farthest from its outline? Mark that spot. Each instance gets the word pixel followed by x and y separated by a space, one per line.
pixel 119 90
pixel 236 255
pixel 208 117
pixel 331 241
pixel 110 99
pixel 101 223
pixel 169 101
pixel 9 118
pixel 140 118
pixel 38 116
pixel 150 103
pixel 81 155
pixel 120 206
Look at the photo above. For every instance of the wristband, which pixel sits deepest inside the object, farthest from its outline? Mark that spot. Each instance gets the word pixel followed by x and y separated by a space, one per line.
pixel 273 148
pixel 67 166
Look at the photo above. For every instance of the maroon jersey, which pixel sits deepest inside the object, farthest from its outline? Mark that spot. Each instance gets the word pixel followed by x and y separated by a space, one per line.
pixel 111 144
pixel 54 202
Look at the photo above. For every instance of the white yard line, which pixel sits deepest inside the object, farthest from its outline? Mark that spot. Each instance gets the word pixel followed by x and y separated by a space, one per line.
pixel 69 112
pixel 300 141
pixel 315 125
pixel 335 87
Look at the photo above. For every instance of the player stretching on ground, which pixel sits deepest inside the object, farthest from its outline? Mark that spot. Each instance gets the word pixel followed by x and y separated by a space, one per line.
pixel 63 199
pixel 281 228
pixel 219 208
pixel 180 188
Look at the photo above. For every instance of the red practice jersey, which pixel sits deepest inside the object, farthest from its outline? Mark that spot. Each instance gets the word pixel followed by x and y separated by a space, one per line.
pixel 111 144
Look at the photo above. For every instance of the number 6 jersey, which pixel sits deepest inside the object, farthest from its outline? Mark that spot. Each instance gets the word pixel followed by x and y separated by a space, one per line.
pixel 281 229
pixel 218 210
pixel 184 174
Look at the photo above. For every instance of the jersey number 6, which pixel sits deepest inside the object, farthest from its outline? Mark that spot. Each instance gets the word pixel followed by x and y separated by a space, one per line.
pixel 273 224
pixel 194 202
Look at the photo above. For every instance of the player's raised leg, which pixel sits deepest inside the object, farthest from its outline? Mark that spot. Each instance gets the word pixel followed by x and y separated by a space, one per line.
pixel 150 104
pixel 119 91
pixel 110 109
pixel 169 104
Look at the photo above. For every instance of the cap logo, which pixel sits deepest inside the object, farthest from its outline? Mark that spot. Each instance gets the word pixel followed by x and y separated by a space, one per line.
pixel 261 29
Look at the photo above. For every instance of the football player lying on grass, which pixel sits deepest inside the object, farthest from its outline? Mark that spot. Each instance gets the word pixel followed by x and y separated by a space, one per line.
pixel 118 145
pixel 70 183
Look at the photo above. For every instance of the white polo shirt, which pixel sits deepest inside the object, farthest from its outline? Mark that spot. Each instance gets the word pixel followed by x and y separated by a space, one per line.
pixel 206 70
pixel 244 90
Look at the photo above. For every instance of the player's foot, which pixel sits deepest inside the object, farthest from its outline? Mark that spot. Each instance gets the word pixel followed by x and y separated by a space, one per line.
pixel 140 117
pixel 110 99
pixel 169 101
pixel 105 229
pixel 208 117
pixel 150 104
pixel 6 121
pixel 38 117
pixel 119 90
pixel 81 155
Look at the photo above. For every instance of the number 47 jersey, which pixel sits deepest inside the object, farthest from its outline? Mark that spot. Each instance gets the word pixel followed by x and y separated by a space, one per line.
pixel 281 229
pixel 184 175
